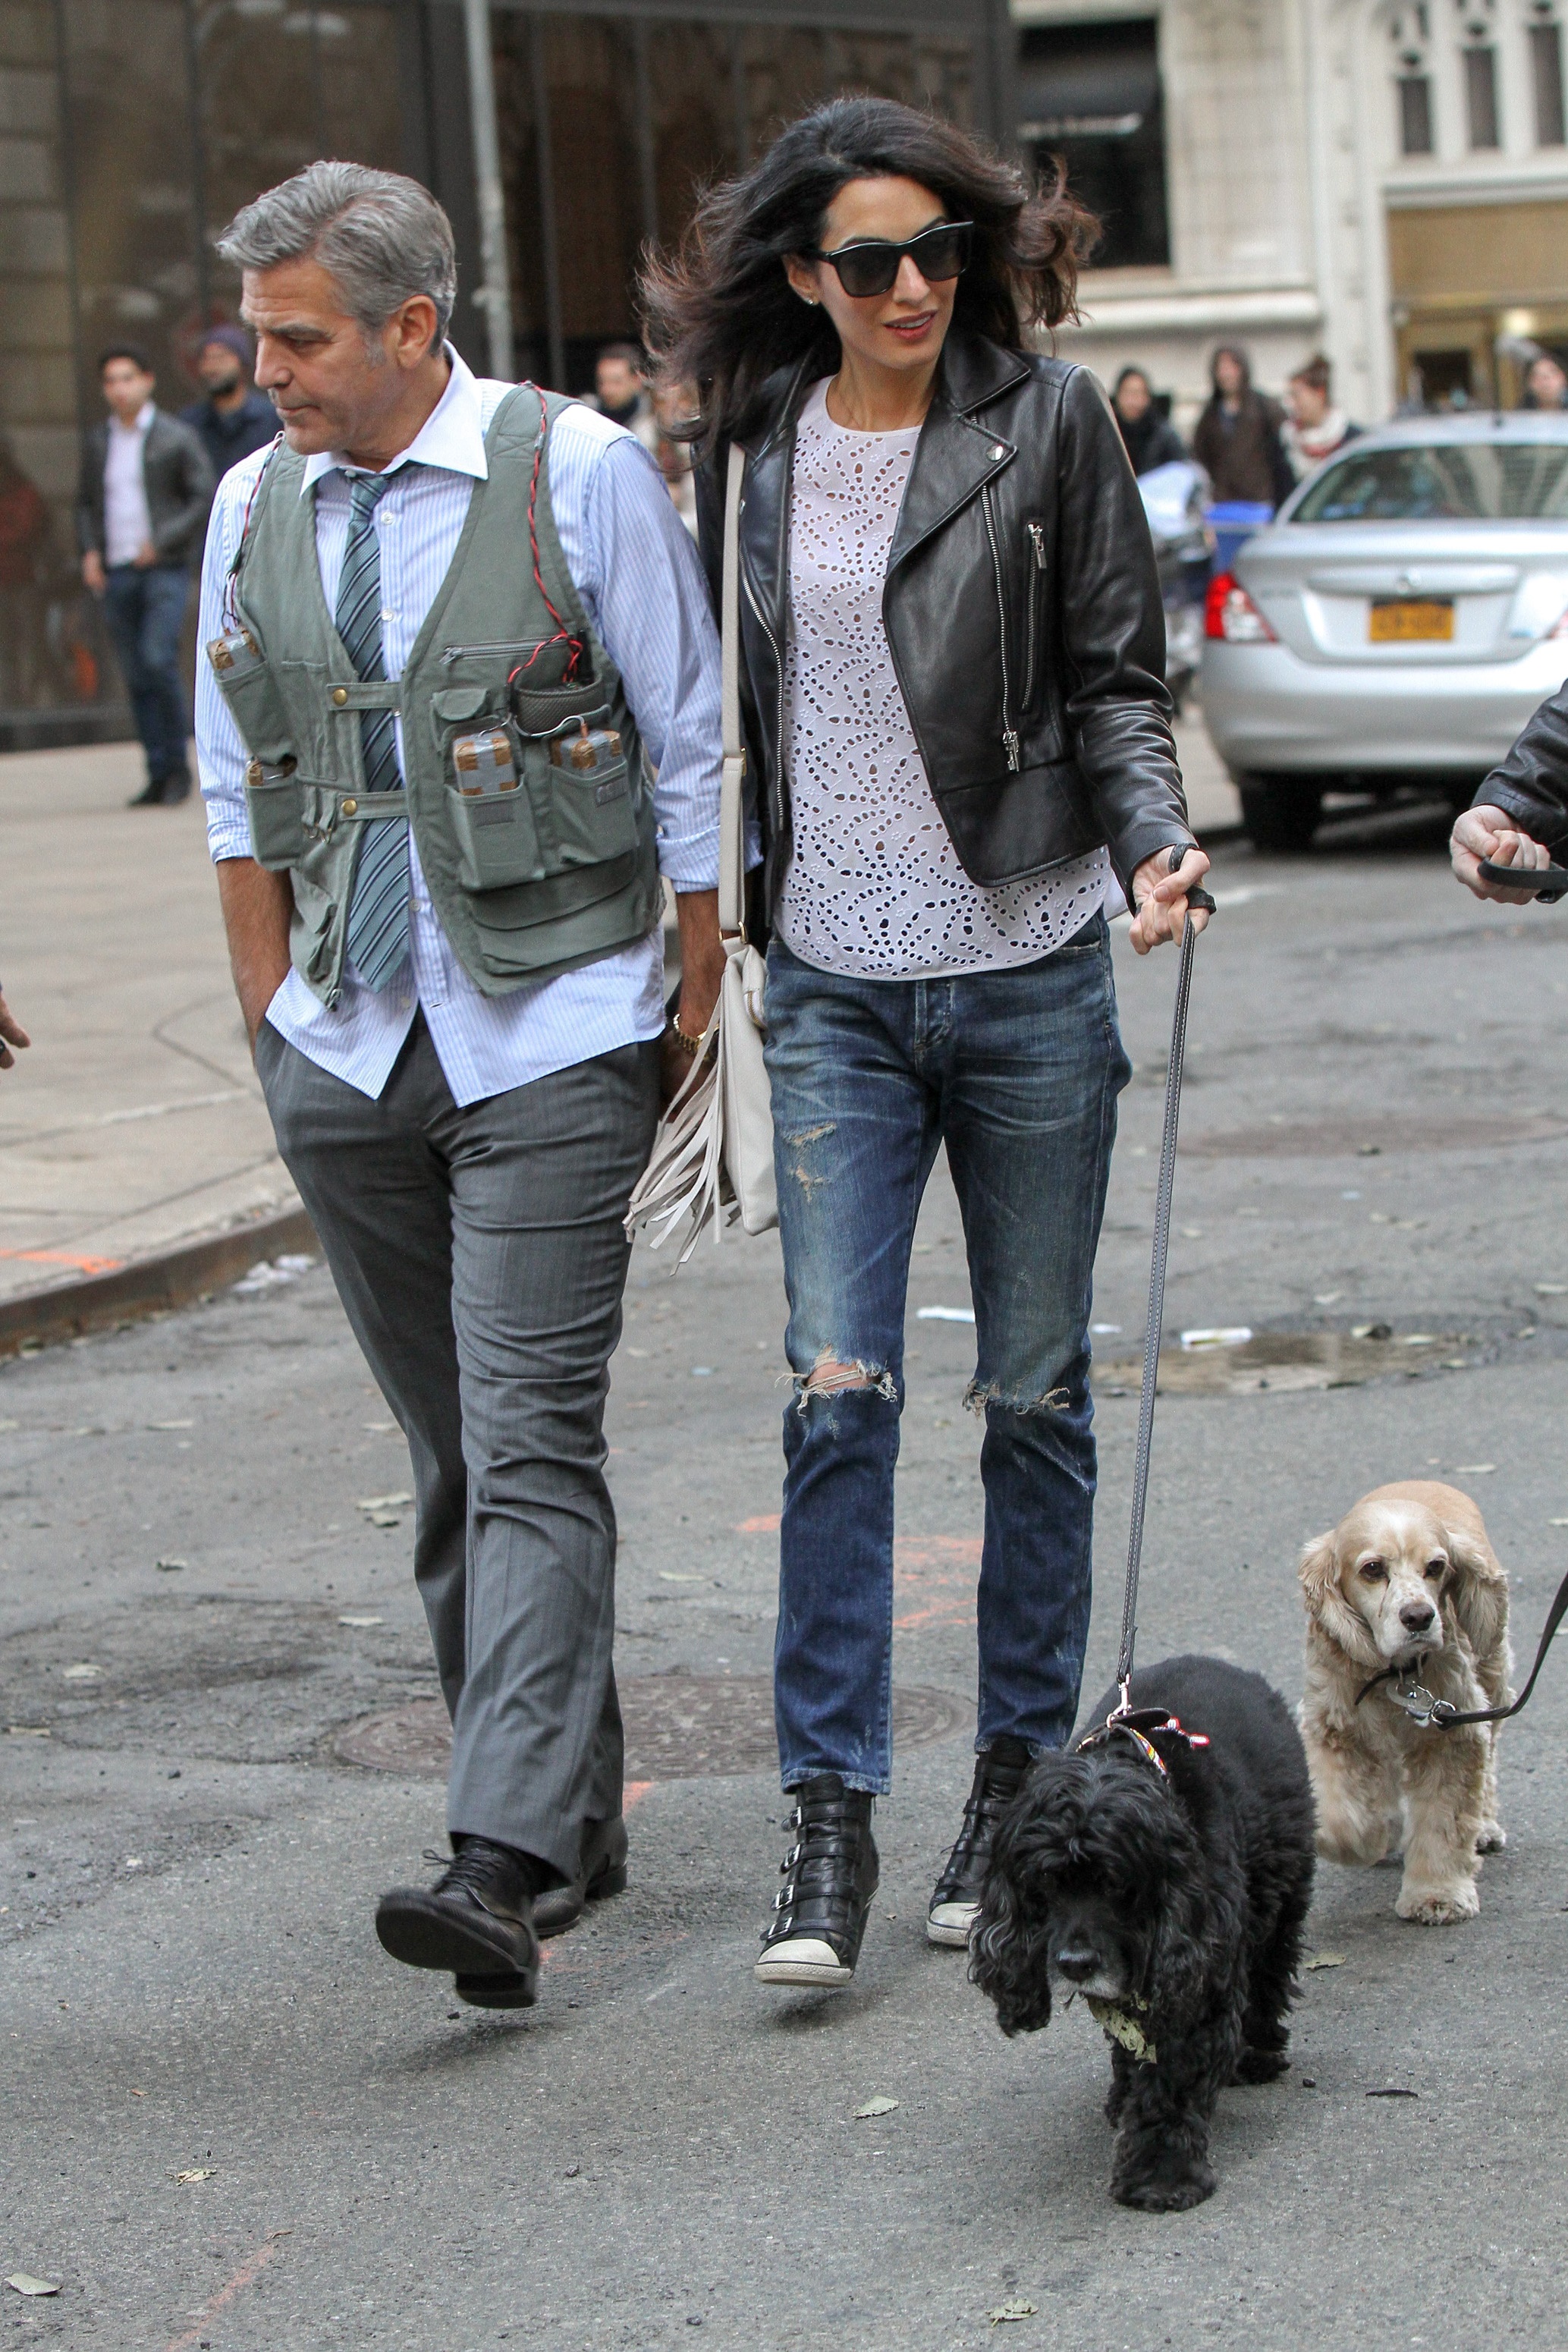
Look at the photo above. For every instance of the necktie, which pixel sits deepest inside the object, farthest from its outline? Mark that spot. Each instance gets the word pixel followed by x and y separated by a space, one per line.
pixel 377 912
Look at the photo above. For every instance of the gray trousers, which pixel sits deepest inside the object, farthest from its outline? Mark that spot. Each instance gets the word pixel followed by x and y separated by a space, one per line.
pixel 480 1257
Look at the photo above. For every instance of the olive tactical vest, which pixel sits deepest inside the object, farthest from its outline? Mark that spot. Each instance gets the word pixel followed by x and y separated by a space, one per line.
pixel 530 881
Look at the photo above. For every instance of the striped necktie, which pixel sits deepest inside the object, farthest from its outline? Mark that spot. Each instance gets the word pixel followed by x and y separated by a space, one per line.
pixel 377 912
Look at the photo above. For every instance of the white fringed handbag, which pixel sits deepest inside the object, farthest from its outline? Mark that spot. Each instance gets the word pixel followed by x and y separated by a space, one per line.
pixel 712 1154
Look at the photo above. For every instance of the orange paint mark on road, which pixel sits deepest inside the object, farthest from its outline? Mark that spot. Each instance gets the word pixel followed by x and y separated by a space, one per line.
pixel 249 2271
pixel 923 1566
pixel 65 1257
pixel 634 1793
pixel 767 1523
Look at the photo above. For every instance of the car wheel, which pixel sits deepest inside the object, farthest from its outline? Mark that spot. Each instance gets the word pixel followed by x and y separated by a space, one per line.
pixel 1279 814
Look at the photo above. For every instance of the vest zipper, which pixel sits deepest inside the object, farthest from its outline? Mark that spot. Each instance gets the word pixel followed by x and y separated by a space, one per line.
pixel 1036 532
pixel 1009 732
pixel 456 653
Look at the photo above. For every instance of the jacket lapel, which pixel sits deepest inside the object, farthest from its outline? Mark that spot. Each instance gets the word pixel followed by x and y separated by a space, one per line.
pixel 956 455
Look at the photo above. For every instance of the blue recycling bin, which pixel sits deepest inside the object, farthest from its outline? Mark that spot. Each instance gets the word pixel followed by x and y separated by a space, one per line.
pixel 1233 522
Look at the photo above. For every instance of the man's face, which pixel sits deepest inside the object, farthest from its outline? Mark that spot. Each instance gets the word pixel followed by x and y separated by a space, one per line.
pixel 331 384
pixel 127 388
pixel 218 368
pixel 618 383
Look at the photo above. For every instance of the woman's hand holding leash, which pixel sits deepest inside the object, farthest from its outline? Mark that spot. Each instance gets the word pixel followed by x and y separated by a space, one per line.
pixel 1160 898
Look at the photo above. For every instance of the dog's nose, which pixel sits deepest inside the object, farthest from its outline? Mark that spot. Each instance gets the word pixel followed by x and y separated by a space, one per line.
pixel 1077 1966
pixel 1417 1615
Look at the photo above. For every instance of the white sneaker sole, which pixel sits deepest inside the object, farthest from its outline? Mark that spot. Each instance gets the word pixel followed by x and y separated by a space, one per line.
pixel 805 1960
pixel 949 1923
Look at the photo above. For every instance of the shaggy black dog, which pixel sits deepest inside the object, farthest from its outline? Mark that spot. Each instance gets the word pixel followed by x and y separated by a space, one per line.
pixel 1174 1900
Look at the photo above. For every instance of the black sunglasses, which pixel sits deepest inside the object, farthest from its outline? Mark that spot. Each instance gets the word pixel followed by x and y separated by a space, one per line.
pixel 939 252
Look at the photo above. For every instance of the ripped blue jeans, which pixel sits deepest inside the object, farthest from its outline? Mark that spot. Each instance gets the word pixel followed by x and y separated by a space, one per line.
pixel 1017 1073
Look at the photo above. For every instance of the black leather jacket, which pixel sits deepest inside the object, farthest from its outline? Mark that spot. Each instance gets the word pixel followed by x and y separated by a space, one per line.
pixel 178 480
pixel 1532 785
pixel 1022 610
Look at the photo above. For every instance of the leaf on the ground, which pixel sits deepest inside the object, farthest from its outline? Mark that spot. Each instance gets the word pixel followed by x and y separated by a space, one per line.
pixel 1552 1290
pixel 877 2107
pixel 1018 2309
pixel 1557 1523
pixel 1324 1960
pixel 362 1621
pixel 1473 1469
pixel 381 1427
pixel 196 2172
pixel 26 2284
pixel 171 1425
pixel 168 1565
pixel 1391 2092
pixel 679 1576
pixel 84 1673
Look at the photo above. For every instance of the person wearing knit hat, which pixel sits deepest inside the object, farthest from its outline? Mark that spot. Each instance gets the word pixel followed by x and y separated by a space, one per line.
pixel 234 418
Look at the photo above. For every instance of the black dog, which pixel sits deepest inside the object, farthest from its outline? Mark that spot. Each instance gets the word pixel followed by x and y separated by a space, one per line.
pixel 1173 1898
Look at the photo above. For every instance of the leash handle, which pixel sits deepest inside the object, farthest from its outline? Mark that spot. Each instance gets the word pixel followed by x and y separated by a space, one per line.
pixel 1201 901
pixel 1548 883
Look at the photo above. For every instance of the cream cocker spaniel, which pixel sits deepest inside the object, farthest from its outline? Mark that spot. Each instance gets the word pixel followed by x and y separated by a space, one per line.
pixel 1407 1580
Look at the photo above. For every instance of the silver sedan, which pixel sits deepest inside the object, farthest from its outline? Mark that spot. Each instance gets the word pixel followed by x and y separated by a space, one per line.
pixel 1397 624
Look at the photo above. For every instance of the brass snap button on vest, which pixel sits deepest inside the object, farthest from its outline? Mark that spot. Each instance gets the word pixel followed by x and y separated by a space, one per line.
pixel 350 808
pixel 339 696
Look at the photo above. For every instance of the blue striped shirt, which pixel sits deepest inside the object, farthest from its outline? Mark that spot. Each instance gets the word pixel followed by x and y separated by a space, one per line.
pixel 642 585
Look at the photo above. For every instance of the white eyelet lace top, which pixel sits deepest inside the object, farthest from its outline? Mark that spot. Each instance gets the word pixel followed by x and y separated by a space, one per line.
pixel 874 885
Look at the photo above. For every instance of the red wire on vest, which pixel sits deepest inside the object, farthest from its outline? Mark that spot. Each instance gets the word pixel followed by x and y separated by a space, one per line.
pixel 563 635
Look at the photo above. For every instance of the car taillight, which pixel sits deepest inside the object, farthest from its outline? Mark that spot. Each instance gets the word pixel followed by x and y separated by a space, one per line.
pixel 1230 613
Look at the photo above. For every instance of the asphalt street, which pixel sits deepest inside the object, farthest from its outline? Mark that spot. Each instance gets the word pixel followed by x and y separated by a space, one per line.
pixel 229 2121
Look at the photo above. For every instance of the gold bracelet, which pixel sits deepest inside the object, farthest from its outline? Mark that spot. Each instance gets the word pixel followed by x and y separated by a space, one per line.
pixel 690 1047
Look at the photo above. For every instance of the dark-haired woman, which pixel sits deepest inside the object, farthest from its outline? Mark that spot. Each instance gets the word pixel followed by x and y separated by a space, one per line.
pixel 951 661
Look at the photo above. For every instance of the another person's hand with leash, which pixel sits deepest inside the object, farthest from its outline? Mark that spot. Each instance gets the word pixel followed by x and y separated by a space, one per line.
pixel 11 1033
pixel 1489 834
pixel 1521 811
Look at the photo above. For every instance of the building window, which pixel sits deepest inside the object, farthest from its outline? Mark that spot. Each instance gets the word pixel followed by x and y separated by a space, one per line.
pixel 1480 97
pixel 1415 114
pixel 1546 72
pixel 1090 115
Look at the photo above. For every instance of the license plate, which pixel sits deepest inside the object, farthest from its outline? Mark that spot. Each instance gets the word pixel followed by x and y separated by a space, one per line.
pixel 1408 620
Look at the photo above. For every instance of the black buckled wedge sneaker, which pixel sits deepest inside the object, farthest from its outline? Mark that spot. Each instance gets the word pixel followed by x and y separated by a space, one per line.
pixel 476 1921
pixel 829 1874
pixel 998 1775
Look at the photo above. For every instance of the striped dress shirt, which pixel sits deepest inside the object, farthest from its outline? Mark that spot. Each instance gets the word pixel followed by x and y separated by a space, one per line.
pixel 642 585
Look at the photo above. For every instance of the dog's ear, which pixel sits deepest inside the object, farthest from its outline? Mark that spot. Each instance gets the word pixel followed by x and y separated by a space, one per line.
pixel 1009 1942
pixel 1008 1946
pixel 1477 1594
pixel 1318 1570
pixel 1199 1934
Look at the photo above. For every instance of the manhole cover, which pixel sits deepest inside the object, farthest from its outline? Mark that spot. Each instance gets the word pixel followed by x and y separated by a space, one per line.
pixel 678 1727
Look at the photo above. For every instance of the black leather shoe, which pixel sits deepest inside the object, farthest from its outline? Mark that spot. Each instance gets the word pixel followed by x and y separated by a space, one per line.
pixel 150 796
pixel 998 1776
pixel 602 1871
pixel 830 1874
pixel 176 788
pixel 477 1920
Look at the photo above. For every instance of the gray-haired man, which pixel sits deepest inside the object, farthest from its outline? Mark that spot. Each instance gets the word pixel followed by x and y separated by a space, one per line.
pixel 456 628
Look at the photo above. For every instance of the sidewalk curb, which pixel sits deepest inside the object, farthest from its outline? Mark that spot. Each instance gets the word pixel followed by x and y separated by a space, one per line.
pixel 151 1286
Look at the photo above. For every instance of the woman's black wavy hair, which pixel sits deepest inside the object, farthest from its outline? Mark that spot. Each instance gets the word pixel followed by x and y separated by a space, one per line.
pixel 719 314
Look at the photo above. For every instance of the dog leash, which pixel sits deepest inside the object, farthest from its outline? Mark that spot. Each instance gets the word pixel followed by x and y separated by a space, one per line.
pixel 1138 1726
pixel 1440 1714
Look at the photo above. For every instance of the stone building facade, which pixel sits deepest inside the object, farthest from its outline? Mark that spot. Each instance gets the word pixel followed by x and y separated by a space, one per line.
pixel 1386 181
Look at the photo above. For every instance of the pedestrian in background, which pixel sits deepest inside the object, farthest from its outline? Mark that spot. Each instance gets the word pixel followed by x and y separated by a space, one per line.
pixel 1314 428
pixel 947 804
pixel 23 549
pixel 1545 384
pixel 234 418
pixel 1147 434
pixel 1236 440
pixel 146 486
pixel 448 944
pixel 621 393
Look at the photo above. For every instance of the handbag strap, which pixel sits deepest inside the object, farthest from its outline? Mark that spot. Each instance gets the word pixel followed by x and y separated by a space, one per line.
pixel 732 794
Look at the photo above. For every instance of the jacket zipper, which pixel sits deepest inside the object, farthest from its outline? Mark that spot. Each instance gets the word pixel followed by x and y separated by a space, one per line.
pixel 1031 658
pixel 457 652
pixel 1009 732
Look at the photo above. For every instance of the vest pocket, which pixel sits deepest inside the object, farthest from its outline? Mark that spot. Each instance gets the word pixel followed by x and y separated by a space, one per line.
pixel 274 801
pixel 594 812
pixel 496 844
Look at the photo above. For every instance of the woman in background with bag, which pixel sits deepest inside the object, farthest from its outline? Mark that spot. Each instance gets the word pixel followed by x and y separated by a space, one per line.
pixel 951 658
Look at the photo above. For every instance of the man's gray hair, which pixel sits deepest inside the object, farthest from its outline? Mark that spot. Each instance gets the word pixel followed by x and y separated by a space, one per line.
pixel 383 237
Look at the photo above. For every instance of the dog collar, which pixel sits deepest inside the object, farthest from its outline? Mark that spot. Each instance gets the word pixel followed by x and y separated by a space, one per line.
pixel 1406 1691
pixel 1136 1726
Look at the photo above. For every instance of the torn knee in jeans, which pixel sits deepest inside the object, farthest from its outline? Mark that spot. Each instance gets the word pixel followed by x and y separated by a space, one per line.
pixel 981 1393
pixel 829 1376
